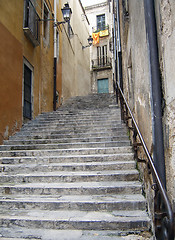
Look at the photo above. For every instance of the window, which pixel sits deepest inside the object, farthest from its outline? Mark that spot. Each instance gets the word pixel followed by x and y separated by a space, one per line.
pixel 31 23
pixel 101 22
pixel 102 55
pixel 46 22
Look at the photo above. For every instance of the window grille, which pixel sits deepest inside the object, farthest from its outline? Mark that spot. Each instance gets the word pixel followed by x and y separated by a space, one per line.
pixel 31 23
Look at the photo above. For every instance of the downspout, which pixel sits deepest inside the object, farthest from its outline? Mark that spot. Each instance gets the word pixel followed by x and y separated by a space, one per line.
pixel 55 55
pixel 119 51
pixel 158 144
pixel 115 52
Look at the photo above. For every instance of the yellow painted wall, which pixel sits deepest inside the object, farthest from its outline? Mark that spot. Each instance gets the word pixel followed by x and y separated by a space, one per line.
pixel 15 48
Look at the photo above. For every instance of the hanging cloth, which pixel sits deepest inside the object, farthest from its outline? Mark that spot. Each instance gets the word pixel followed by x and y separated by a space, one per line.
pixel 95 37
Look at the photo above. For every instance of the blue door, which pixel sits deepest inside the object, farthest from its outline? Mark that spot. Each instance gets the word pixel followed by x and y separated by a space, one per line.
pixel 102 85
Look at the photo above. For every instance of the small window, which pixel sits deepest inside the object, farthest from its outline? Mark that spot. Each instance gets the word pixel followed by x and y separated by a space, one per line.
pixel 31 23
pixel 101 22
pixel 46 22
pixel 102 55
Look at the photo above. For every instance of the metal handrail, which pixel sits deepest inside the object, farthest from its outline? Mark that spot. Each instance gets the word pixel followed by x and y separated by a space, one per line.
pixel 167 218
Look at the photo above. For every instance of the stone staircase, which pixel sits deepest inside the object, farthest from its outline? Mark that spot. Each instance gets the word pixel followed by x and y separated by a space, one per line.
pixel 70 175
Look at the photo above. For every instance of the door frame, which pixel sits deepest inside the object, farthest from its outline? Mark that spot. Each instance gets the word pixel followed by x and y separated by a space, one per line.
pixel 26 62
pixel 100 79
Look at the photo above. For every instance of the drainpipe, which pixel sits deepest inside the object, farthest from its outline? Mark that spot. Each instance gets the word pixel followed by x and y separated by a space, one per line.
pixel 119 51
pixel 158 144
pixel 115 54
pixel 55 55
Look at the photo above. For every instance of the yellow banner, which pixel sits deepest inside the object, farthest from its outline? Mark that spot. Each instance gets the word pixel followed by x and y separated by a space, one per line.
pixel 104 33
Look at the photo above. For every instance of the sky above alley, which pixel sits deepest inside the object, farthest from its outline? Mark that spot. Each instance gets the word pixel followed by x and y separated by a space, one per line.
pixel 91 2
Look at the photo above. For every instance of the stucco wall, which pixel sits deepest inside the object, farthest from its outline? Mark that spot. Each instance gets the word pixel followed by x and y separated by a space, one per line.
pixel 166 35
pixel 17 49
pixel 11 60
pixel 75 60
pixel 136 75
pixel 136 67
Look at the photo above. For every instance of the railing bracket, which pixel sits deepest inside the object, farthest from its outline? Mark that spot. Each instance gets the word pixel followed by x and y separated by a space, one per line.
pixel 154 186
pixel 141 160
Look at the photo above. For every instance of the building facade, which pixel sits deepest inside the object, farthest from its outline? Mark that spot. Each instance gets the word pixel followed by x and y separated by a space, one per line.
pixel 75 60
pixel 35 59
pixel 145 90
pixel 100 17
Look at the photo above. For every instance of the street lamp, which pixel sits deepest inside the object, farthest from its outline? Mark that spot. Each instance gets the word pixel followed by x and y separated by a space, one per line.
pixel 67 12
pixel 90 41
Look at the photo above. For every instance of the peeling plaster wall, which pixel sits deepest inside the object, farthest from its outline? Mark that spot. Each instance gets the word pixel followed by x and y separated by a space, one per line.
pixel 166 34
pixel 136 82
pixel 136 66
pixel 136 75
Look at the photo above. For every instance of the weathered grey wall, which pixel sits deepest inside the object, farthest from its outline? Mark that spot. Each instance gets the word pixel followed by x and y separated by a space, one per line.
pixel 166 35
pixel 136 67
pixel 136 75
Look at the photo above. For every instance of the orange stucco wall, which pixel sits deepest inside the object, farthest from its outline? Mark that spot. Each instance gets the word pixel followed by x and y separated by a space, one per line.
pixel 15 49
pixel 11 68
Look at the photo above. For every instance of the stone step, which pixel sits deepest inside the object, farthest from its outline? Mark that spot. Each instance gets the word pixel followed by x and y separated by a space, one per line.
pixel 72 166
pixel 19 233
pixel 75 188
pixel 64 140
pixel 65 145
pixel 68 159
pixel 74 202
pixel 62 152
pixel 63 176
pixel 76 220
pixel 73 130
pixel 105 115
pixel 71 175
pixel 78 126
pixel 53 135
pixel 82 120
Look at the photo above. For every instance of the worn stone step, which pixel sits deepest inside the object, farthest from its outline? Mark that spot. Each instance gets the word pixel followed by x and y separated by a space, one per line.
pixel 78 127
pixel 19 233
pixel 74 202
pixel 64 140
pixel 84 220
pixel 68 122
pixel 68 159
pixel 75 188
pixel 74 130
pixel 53 135
pixel 72 166
pixel 95 116
pixel 63 176
pixel 61 152
pixel 65 145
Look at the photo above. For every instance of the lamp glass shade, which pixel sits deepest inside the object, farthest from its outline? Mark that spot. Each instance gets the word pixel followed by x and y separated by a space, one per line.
pixel 67 12
pixel 90 40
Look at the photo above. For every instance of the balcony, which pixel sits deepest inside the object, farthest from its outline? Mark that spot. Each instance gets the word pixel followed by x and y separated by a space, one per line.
pixel 102 63
pixel 103 31
pixel 31 23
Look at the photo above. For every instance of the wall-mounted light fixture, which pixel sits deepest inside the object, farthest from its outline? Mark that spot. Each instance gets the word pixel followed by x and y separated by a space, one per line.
pixel 90 41
pixel 67 12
